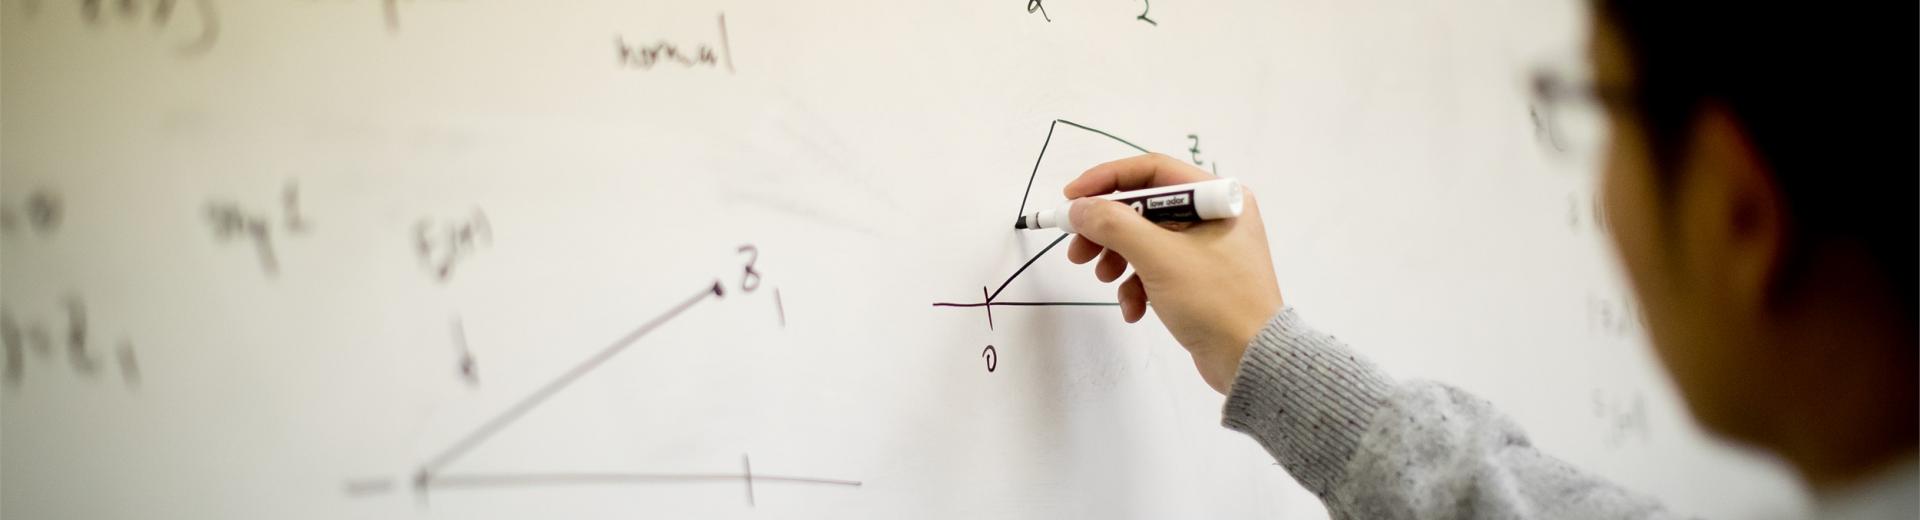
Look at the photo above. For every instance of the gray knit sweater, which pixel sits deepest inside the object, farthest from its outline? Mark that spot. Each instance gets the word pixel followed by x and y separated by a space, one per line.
pixel 1374 448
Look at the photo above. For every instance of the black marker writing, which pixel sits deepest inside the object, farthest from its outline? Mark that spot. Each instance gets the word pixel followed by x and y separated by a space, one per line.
pixel 1543 130
pixel 780 307
pixel 432 474
pixel 232 222
pixel 1614 318
pixel 83 362
pixel 1621 419
pixel 427 474
pixel 1034 5
pixel 16 340
pixel 988 299
pixel 1193 152
pixel 749 279
pixel 1039 6
pixel 646 57
pixel 160 14
pixel 442 245
pixel 468 371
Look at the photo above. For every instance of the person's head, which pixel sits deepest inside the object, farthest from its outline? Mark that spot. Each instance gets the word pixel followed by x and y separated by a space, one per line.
pixel 1760 187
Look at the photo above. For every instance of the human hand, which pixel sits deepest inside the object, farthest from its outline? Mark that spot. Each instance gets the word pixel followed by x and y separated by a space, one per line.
pixel 1211 283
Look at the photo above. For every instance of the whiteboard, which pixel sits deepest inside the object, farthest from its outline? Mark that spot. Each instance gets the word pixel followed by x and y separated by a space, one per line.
pixel 613 259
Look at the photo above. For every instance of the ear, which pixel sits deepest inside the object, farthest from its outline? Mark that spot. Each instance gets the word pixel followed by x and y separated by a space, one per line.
pixel 1735 217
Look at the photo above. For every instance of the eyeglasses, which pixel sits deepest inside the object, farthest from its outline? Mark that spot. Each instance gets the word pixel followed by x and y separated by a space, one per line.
pixel 1571 117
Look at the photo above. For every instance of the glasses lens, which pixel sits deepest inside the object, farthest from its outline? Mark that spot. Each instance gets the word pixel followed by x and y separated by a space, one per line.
pixel 1569 119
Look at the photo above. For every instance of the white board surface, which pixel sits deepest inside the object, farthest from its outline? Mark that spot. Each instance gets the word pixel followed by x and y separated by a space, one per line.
pixel 611 259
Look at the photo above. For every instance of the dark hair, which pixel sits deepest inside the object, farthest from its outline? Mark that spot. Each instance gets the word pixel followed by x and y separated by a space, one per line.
pixel 1829 95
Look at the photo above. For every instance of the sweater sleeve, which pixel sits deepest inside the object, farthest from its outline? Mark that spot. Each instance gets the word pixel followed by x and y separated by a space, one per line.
pixel 1374 448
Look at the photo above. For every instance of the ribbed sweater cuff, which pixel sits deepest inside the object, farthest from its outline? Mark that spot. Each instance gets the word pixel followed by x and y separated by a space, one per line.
pixel 1307 398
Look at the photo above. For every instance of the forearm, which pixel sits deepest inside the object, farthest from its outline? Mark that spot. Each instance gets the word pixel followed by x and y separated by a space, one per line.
pixel 1371 447
pixel 1306 398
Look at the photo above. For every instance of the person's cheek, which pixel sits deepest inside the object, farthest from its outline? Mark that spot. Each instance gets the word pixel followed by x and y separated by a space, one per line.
pixel 1632 209
pixel 1626 202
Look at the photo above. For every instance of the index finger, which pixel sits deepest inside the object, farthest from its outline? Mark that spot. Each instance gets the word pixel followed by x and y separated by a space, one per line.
pixel 1132 173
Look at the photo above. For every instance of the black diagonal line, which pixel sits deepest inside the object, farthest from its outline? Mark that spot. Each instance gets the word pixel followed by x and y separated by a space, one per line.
pixel 1104 133
pixel 527 403
pixel 1036 169
pixel 1023 267
pixel 1035 174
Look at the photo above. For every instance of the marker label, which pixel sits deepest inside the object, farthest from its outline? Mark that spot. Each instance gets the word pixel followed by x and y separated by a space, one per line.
pixel 1165 207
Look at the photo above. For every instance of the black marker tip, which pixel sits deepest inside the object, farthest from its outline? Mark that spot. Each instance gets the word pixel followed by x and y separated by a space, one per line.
pixel 1020 223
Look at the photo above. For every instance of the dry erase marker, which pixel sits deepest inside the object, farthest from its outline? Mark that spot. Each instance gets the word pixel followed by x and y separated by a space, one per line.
pixel 1190 202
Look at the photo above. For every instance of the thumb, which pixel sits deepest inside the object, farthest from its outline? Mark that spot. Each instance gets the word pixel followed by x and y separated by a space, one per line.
pixel 1117 227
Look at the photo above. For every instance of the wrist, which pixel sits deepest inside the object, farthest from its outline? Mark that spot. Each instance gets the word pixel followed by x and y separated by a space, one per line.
pixel 1220 366
pixel 1222 361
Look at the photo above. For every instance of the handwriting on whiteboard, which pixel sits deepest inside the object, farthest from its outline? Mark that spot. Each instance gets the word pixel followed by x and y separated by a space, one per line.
pixel 641 56
pixel 233 221
pixel 1039 6
pixel 1617 318
pixel 194 24
pixel 441 472
pixel 991 298
pixel 35 339
pixel 442 244
pixel 1623 418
